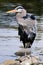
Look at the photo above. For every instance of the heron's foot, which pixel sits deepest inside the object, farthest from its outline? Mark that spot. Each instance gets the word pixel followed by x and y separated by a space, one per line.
pixel 28 46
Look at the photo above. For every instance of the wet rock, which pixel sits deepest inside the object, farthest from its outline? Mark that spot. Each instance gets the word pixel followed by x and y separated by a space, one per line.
pixel 22 52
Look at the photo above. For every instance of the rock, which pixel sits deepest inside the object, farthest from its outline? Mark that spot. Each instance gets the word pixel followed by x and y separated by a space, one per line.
pixel 24 60
pixel 22 52
pixel 1 64
pixel 40 64
pixel 11 62
pixel 17 64
pixel 29 60
pixel 35 59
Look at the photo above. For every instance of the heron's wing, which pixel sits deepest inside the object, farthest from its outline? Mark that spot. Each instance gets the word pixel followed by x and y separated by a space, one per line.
pixel 29 14
pixel 31 25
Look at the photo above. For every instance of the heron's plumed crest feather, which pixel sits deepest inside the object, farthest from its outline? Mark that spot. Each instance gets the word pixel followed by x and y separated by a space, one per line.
pixel 19 7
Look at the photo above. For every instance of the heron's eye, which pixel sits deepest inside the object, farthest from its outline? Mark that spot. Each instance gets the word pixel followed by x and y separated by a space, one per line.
pixel 20 10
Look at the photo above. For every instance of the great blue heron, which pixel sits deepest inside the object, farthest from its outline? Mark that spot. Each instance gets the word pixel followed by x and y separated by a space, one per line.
pixel 27 25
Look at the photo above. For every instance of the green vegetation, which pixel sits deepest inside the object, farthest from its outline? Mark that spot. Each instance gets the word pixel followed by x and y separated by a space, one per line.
pixel 32 6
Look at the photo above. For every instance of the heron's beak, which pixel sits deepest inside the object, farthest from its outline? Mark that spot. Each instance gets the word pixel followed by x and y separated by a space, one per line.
pixel 12 11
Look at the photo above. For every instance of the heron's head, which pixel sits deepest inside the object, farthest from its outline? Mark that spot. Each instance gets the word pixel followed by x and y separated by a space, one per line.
pixel 18 10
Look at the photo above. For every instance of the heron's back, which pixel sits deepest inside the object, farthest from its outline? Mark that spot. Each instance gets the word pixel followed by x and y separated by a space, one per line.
pixel 27 24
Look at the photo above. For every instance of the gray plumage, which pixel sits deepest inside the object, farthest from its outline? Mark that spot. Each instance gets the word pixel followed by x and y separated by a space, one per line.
pixel 27 28
pixel 24 19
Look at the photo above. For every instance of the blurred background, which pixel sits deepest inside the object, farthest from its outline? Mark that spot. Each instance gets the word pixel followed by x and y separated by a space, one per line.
pixel 32 6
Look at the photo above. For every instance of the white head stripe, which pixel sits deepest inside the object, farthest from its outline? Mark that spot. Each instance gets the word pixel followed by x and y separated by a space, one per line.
pixel 19 10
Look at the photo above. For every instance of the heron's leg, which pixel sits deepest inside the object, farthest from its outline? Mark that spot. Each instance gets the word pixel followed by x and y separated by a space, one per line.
pixel 25 48
pixel 28 45
pixel 24 44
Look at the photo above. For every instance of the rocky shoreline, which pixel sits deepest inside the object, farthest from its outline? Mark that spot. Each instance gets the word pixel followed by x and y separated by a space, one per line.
pixel 24 60
pixel 25 57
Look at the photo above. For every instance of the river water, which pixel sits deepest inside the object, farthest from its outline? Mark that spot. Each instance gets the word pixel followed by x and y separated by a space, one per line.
pixel 9 39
